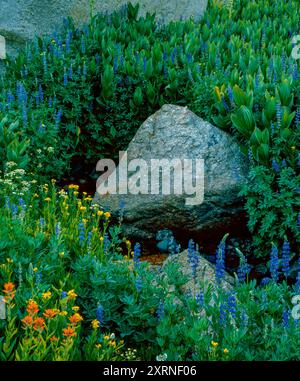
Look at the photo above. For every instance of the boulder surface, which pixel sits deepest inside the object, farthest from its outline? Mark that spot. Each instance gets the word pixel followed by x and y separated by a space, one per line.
pixel 175 132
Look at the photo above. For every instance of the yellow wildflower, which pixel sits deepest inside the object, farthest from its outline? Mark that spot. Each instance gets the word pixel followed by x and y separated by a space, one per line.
pixel 107 214
pixel 72 295
pixel 226 351
pixel 74 186
pixel 63 313
pixel 106 337
pixel 214 344
pixel 95 324
pixel 75 308
pixel 99 213
pixel 98 346
pixel 46 295
pixel 47 199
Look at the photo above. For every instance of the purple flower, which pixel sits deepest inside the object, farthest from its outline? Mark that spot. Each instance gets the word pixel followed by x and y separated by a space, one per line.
pixel 274 263
pixel 137 252
pixel 220 262
pixel 160 310
pixel 100 315
pixel 286 251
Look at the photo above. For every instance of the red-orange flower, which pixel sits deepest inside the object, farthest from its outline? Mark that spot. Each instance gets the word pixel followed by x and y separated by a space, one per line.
pixel 39 324
pixel 9 291
pixel 50 313
pixel 28 321
pixel 32 308
pixel 76 318
pixel 53 338
pixel 69 332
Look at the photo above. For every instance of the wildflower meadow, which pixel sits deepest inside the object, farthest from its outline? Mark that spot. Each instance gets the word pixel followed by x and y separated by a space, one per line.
pixel 73 285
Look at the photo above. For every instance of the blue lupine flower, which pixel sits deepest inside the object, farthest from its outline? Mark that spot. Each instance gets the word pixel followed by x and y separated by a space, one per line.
pixel 14 210
pixel 243 270
pixel 230 93
pixel 279 114
pixel 137 252
pixel 58 118
pixel 295 72
pixel 272 128
pixel 41 93
pixel 225 105
pixel 200 299
pixel 286 251
pixel 42 222
pixel 89 238
pixel 25 118
pixel 81 231
pixel 285 319
pixel 283 163
pixel 50 102
pixel 298 220
pixel 265 281
pixel 244 319
pixel 274 263
pixel 144 64
pixel 160 310
pixel 7 202
pixel 298 276
pixel 84 72
pixel 220 262
pixel 63 294
pixel 116 64
pixel 68 41
pixel 100 315
pixel 38 278
pixel 231 304
pixel 71 72
pixel 223 315
pixel 83 49
pixel 65 77
pixel 58 229
pixel 139 284
pixel 106 243
pixel 174 55
pixel 275 165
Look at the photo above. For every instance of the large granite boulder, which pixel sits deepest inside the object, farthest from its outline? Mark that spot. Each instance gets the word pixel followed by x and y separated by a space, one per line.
pixel 21 20
pixel 171 133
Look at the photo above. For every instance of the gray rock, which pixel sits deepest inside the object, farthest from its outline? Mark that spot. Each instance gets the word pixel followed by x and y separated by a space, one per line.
pixel 176 132
pixel 21 20
pixel 205 278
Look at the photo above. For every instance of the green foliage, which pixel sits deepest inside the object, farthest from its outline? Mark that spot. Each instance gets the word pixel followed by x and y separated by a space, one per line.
pixel 273 204
pixel 78 294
